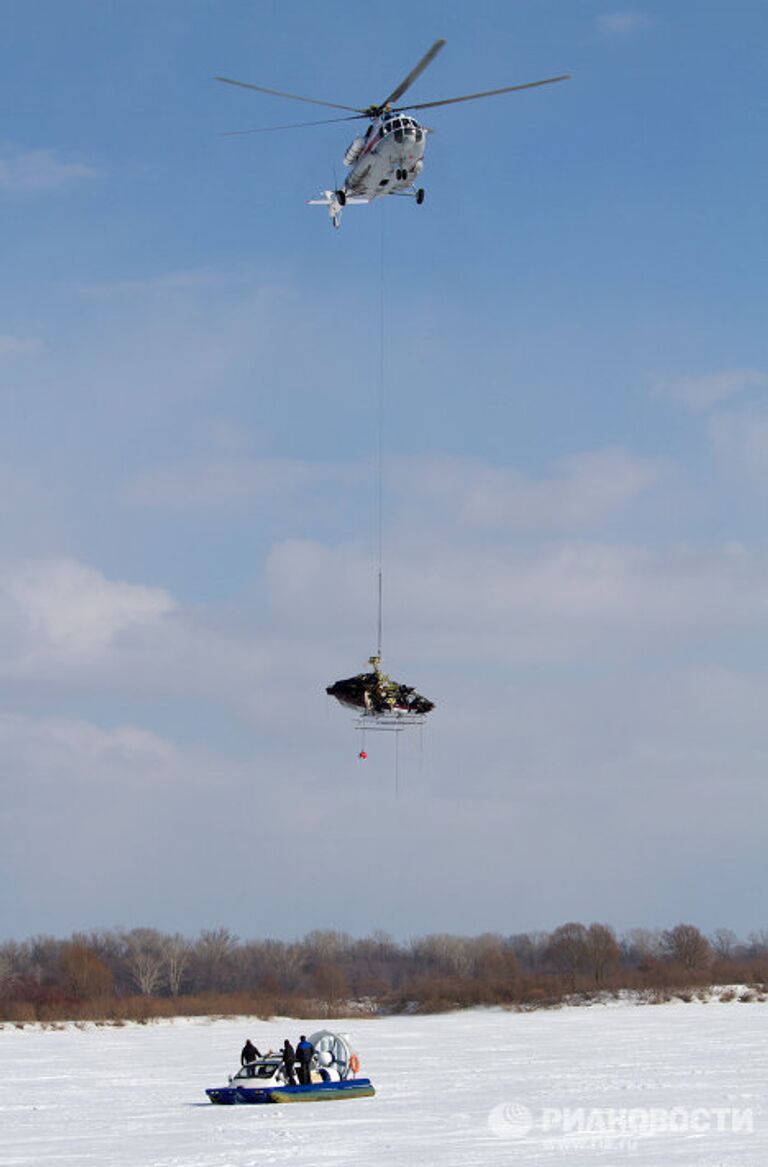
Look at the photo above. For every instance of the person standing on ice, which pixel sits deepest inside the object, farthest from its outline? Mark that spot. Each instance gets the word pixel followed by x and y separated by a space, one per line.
pixel 249 1053
pixel 289 1058
pixel 304 1051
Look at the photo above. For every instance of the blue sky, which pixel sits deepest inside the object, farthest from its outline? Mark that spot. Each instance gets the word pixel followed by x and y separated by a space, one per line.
pixel 576 470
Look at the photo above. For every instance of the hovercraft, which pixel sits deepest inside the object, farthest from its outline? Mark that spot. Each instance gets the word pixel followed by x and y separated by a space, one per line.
pixel 333 1075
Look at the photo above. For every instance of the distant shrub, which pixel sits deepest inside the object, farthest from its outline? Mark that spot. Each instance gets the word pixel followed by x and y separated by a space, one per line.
pixel 110 977
pixel 20 1012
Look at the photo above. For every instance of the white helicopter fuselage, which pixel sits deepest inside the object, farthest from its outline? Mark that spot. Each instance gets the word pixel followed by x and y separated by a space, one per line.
pixel 387 159
pixel 390 155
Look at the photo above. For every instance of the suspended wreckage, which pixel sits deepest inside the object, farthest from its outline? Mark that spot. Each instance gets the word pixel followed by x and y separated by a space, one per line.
pixel 383 703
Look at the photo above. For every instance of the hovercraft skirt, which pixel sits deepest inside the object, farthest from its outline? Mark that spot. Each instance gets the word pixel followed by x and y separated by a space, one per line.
pixel 324 1091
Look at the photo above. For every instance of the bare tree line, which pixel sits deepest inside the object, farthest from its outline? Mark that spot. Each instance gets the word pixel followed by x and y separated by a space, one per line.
pixel 144 972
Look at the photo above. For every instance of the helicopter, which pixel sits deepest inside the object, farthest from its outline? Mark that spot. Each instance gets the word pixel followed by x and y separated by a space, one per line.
pixel 377 696
pixel 388 158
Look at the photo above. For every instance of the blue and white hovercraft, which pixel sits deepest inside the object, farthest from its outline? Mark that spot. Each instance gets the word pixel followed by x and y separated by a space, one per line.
pixel 333 1075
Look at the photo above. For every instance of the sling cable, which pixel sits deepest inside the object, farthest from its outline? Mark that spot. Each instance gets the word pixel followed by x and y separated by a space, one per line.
pixel 380 702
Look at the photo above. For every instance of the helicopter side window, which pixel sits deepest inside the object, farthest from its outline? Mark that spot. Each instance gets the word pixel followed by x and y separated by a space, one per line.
pixel 419 135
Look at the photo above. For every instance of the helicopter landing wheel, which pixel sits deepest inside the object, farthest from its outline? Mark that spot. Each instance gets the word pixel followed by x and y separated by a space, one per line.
pixel 419 196
pixel 341 198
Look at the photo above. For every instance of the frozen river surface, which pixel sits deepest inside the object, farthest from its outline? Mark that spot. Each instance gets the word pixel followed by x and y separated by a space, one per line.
pixel 622 1084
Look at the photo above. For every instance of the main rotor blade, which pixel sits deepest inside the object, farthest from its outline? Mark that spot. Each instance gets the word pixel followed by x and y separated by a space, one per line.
pixel 292 96
pixel 414 73
pixel 291 126
pixel 488 93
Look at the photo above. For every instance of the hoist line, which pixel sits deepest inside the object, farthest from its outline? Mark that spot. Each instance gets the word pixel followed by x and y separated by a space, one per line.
pixel 397 765
pixel 380 445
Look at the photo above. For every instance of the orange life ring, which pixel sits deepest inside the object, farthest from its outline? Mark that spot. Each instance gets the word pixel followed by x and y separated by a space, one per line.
pixel 354 1063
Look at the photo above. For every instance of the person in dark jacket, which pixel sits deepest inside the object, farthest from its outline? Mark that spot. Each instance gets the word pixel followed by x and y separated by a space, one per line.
pixel 289 1058
pixel 249 1053
pixel 304 1052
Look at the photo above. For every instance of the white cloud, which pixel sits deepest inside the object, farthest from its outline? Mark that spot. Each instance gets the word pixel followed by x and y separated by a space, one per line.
pixel 702 392
pixel 623 23
pixel 740 437
pixel 35 170
pixel 18 345
pixel 61 609
pixel 451 612
pixel 186 280
pixel 231 482
pixel 584 490
pixel 520 755
pixel 65 628
pixel 78 751
pixel 559 603
pixel 619 763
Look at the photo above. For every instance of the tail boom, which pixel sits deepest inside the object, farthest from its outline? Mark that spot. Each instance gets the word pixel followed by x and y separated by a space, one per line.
pixel 335 201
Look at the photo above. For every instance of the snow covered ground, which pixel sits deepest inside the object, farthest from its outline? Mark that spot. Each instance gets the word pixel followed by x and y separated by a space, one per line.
pixel 645 1086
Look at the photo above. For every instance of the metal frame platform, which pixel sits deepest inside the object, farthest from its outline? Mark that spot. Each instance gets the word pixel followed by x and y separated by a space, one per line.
pixel 393 722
